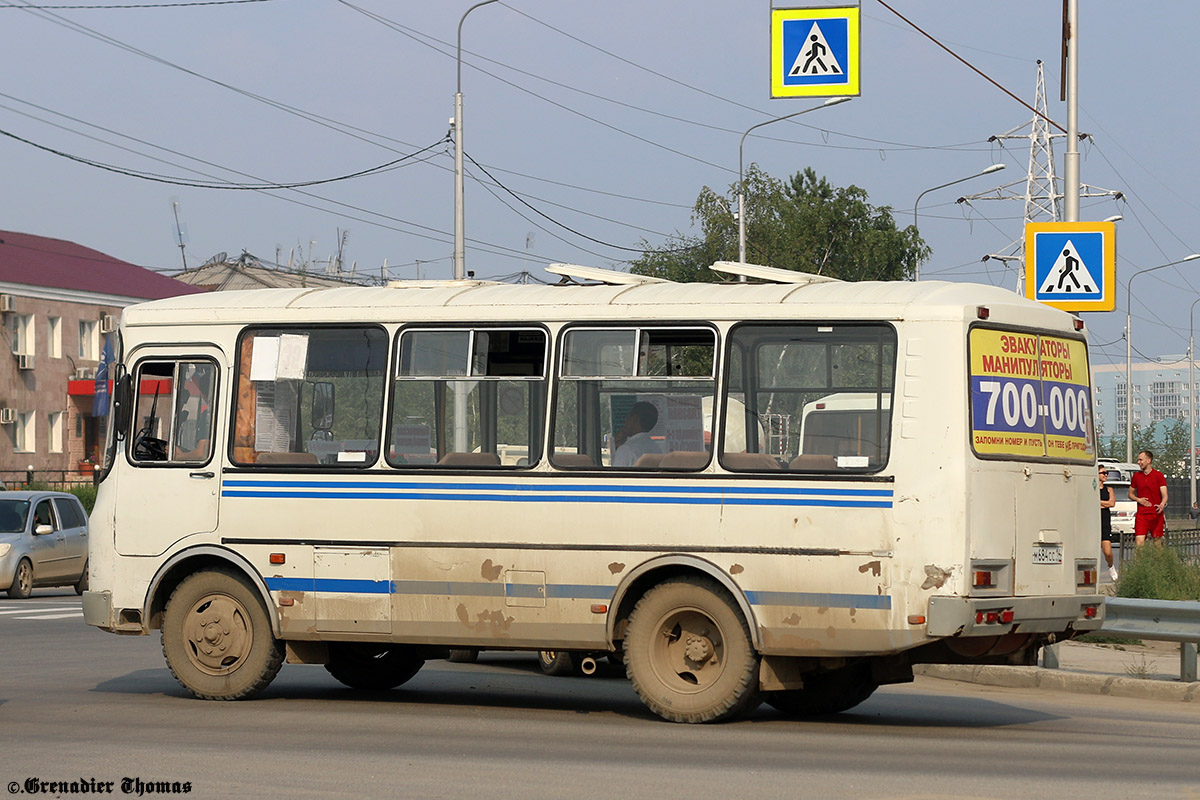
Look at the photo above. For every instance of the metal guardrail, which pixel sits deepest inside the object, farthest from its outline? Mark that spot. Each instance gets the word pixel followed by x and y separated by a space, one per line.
pixel 1160 620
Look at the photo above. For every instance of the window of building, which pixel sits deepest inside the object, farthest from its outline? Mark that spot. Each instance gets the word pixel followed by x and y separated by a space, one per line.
pixel 89 339
pixel 26 432
pixel 469 398
pixel 23 339
pixel 309 397
pixel 635 398
pixel 56 432
pixel 55 337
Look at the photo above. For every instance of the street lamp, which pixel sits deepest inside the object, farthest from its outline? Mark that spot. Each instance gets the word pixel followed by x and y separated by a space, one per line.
pixel 1129 350
pixel 460 256
pixel 833 101
pixel 982 172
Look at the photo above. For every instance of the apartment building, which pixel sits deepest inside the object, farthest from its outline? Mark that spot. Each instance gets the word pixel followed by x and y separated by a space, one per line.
pixel 59 302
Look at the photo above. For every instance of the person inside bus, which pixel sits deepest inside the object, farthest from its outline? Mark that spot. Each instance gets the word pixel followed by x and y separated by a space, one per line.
pixel 633 439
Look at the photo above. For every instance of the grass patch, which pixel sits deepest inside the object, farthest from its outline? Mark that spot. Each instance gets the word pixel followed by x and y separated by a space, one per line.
pixel 1103 638
pixel 86 495
pixel 1158 573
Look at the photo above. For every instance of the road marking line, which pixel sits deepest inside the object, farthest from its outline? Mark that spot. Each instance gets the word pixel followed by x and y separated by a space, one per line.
pixel 29 610
pixel 54 616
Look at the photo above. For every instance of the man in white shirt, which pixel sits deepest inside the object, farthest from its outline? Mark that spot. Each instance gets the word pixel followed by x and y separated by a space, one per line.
pixel 633 439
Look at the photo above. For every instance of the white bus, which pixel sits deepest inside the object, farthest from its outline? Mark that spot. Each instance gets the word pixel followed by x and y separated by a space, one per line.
pixel 322 476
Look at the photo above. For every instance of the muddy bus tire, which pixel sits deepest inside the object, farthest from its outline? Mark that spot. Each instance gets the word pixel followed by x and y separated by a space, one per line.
pixel 372 667
pixel 688 653
pixel 217 638
pixel 825 693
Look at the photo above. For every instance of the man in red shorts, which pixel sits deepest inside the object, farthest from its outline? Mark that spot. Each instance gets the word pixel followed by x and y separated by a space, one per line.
pixel 1148 488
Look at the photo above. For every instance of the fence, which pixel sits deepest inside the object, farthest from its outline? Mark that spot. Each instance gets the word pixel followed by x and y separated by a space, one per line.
pixel 52 478
pixel 1185 541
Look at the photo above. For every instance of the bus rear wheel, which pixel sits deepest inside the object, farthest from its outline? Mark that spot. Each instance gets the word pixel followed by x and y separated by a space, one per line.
pixel 372 667
pixel 556 662
pixel 217 638
pixel 825 692
pixel 688 653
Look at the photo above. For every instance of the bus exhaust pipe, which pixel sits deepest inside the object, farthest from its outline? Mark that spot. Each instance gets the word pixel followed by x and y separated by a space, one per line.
pixel 587 665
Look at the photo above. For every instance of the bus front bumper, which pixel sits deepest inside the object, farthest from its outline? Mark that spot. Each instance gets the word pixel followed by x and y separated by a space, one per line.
pixel 98 611
pixel 992 616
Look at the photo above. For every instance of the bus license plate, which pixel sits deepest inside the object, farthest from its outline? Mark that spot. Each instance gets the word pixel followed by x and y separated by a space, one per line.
pixel 1047 555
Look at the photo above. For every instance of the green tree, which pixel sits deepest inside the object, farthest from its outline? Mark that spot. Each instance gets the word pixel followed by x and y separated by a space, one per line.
pixel 805 224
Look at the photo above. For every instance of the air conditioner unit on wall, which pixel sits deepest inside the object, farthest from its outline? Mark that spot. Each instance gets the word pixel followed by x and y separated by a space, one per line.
pixel 24 361
pixel 8 416
pixel 108 323
pixel 84 374
pixel 7 303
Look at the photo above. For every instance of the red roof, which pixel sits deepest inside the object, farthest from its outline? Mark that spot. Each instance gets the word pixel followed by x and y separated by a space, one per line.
pixel 54 263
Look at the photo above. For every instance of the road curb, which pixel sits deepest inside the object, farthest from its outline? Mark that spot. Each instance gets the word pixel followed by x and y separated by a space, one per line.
pixel 1079 683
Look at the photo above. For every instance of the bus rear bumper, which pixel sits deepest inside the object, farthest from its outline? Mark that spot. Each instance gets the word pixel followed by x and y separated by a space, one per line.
pixel 98 611
pixel 992 616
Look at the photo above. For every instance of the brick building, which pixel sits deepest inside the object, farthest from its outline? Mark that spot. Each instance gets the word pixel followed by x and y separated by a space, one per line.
pixel 59 301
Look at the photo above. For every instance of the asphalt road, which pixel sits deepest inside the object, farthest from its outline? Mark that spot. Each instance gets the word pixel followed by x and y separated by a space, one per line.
pixel 77 704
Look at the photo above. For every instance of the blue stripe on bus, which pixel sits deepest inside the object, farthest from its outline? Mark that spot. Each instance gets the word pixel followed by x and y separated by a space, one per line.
pixel 556 487
pixel 500 498
pixel 820 600
pixel 559 591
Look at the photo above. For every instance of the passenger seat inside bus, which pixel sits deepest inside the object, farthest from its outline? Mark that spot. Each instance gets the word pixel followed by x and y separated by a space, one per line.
pixel 814 462
pixel 469 460
pixel 286 458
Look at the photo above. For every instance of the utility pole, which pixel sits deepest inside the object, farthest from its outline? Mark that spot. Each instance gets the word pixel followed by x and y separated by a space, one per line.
pixel 179 233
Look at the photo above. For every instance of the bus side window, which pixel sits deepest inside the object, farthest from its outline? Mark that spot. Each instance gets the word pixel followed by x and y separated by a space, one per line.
pixel 634 398
pixel 310 397
pixel 468 398
pixel 173 413
pixel 813 398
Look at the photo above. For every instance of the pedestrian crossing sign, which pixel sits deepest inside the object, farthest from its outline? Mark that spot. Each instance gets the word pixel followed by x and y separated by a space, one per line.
pixel 1072 265
pixel 814 52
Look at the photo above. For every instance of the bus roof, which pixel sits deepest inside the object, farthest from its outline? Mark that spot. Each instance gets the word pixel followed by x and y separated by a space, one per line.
pixel 484 301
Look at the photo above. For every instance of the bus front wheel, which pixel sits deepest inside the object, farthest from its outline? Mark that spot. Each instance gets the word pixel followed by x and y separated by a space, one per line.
pixel 688 653
pixel 217 638
pixel 372 667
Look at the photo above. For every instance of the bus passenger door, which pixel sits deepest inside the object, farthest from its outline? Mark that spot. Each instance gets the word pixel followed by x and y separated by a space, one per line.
pixel 170 484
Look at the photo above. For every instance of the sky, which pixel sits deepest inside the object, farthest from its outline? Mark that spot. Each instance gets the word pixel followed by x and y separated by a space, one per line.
pixel 602 121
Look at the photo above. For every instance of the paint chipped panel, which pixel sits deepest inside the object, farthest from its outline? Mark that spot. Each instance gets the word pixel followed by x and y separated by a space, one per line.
pixel 874 567
pixel 936 577
pixel 616 567
pixel 489 571
pixel 493 623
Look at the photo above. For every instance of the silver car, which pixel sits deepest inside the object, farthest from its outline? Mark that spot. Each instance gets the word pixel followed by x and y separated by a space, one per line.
pixel 43 542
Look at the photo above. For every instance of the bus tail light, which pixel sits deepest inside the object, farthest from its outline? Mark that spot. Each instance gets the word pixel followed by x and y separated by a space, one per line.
pixel 1086 575
pixel 994 616
pixel 984 579
pixel 983 312
pixel 1089 612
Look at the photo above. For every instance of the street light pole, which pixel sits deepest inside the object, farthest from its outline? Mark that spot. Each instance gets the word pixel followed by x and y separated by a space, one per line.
pixel 833 101
pixel 1192 397
pixel 1129 350
pixel 460 255
pixel 982 172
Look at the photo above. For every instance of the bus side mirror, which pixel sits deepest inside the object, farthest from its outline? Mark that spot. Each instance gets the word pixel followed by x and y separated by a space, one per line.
pixel 322 406
pixel 122 404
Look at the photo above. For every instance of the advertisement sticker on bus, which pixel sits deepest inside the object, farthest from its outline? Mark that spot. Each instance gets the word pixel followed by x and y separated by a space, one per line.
pixel 1029 396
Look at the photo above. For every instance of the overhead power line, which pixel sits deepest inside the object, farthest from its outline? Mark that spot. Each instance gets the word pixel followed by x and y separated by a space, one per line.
pixel 253 187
